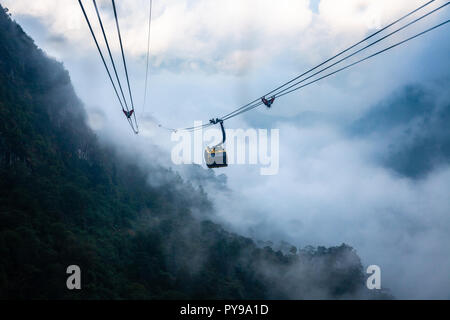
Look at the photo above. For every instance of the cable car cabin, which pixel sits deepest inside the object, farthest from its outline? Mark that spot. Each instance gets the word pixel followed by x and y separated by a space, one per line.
pixel 216 157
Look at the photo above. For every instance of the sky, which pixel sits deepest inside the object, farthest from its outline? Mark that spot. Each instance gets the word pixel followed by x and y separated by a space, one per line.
pixel 364 155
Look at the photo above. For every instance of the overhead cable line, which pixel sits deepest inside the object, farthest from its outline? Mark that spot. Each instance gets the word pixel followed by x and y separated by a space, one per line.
pixel 280 93
pixel 369 57
pixel 350 65
pixel 366 47
pixel 330 59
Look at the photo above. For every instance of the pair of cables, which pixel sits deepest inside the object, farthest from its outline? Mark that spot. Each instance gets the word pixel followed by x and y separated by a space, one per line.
pixel 127 106
pixel 296 84
pixel 301 81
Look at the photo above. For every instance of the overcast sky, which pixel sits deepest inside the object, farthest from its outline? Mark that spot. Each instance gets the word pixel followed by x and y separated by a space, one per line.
pixel 364 155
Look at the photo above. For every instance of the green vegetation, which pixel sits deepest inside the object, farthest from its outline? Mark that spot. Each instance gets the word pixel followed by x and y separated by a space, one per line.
pixel 64 200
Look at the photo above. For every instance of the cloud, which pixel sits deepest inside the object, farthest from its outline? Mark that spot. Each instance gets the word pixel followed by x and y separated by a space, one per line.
pixel 222 35
pixel 207 32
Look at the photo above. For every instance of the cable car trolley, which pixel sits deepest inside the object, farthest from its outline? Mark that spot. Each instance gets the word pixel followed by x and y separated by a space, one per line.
pixel 216 156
